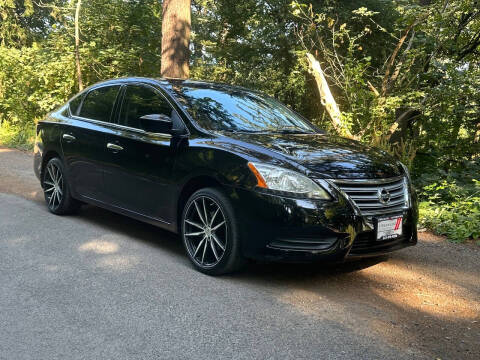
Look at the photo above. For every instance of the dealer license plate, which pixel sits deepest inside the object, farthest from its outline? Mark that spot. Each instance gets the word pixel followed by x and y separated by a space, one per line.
pixel 389 228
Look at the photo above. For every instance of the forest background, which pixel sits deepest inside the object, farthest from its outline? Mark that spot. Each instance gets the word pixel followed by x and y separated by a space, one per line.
pixel 405 74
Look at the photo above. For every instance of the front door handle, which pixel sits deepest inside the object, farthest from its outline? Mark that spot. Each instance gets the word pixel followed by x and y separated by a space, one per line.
pixel 68 137
pixel 114 147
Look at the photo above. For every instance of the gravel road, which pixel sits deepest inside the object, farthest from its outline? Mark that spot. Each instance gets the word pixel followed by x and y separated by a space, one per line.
pixel 102 286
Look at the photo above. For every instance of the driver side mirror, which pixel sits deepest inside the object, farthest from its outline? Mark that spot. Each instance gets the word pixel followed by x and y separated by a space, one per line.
pixel 156 123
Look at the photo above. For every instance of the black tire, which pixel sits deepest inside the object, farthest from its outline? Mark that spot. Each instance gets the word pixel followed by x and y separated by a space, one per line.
pixel 221 263
pixel 54 181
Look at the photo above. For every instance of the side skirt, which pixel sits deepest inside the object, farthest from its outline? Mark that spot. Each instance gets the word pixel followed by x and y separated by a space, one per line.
pixel 119 210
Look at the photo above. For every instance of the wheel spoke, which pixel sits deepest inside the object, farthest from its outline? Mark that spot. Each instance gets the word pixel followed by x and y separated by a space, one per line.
pixel 50 189
pixel 195 233
pixel 213 249
pixel 217 226
pixel 194 224
pixel 50 171
pixel 49 183
pixel 198 247
pixel 205 211
pixel 51 198
pixel 199 212
pixel 204 251
pixel 214 237
pixel 214 216
pixel 55 172
pixel 57 198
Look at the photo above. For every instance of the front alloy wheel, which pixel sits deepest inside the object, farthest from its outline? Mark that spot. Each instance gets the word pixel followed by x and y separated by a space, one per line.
pixel 209 232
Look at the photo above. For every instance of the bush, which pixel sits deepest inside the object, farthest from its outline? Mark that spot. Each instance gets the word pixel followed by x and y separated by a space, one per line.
pixel 33 81
pixel 17 136
pixel 450 203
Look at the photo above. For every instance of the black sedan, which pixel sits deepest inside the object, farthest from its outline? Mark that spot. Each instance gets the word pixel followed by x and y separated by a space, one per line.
pixel 236 173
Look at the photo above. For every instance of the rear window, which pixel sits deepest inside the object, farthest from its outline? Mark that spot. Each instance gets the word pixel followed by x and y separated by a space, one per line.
pixel 98 104
pixel 74 104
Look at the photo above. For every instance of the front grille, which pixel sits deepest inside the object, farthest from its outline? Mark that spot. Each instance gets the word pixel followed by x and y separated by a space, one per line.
pixel 365 194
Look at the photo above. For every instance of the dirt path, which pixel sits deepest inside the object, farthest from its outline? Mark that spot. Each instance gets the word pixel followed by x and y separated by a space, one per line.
pixel 422 301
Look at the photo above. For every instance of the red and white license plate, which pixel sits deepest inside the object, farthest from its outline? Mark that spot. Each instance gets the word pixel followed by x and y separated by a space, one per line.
pixel 389 228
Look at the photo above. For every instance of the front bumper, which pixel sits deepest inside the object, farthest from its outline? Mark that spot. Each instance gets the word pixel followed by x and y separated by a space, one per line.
pixel 304 230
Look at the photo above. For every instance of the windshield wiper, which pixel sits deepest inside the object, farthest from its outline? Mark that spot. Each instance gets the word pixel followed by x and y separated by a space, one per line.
pixel 286 130
pixel 293 131
pixel 244 131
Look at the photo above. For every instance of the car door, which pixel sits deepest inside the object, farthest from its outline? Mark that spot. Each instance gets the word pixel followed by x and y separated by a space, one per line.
pixel 82 141
pixel 139 164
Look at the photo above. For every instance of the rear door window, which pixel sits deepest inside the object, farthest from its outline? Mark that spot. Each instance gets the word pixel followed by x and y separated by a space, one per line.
pixel 98 104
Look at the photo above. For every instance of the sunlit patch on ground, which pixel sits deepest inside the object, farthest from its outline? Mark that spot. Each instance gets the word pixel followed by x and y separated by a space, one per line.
pixel 412 289
pixel 109 258
pixel 99 247
pixel 409 304
pixel 118 262
pixel 18 240
pixel 34 194
pixel 52 268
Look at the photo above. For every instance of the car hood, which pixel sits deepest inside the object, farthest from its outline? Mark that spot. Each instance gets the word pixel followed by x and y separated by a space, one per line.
pixel 329 156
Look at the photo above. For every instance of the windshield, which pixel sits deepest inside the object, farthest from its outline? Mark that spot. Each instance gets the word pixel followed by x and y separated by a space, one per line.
pixel 239 110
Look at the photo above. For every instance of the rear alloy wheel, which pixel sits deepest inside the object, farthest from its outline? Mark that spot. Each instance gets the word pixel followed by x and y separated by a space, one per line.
pixel 56 189
pixel 209 233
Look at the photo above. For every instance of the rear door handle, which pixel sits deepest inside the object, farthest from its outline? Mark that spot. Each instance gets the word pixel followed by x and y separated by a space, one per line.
pixel 68 137
pixel 114 147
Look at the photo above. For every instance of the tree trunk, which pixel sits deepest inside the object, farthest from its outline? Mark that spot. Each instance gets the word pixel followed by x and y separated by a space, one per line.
pixel 327 98
pixel 77 44
pixel 175 38
pixel 476 138
pixel 391 61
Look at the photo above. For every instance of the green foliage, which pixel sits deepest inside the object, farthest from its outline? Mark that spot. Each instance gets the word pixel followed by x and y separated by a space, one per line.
pixel 450 202
pixel 24 21
pixel 118 38
pixel 33 81
pixel 16 136
pixel 253 44
pixel 38 77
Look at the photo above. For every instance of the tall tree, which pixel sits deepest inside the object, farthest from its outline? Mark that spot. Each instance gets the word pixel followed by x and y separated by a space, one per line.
pixel 176 23
pixel 77 45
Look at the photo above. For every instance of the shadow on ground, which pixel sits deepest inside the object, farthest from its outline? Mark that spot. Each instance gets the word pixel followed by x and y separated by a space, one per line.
pixel 413 298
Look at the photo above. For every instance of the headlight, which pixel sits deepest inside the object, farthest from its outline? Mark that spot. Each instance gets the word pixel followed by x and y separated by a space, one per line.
pixel 405 170
pixel 286 181
pixel 406 185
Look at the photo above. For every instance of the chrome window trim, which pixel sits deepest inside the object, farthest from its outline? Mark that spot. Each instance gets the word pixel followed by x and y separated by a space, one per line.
pixel 154 84
pixel 122 127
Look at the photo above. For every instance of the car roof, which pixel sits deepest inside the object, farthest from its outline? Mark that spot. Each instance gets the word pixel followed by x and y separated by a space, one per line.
pixel 170 83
